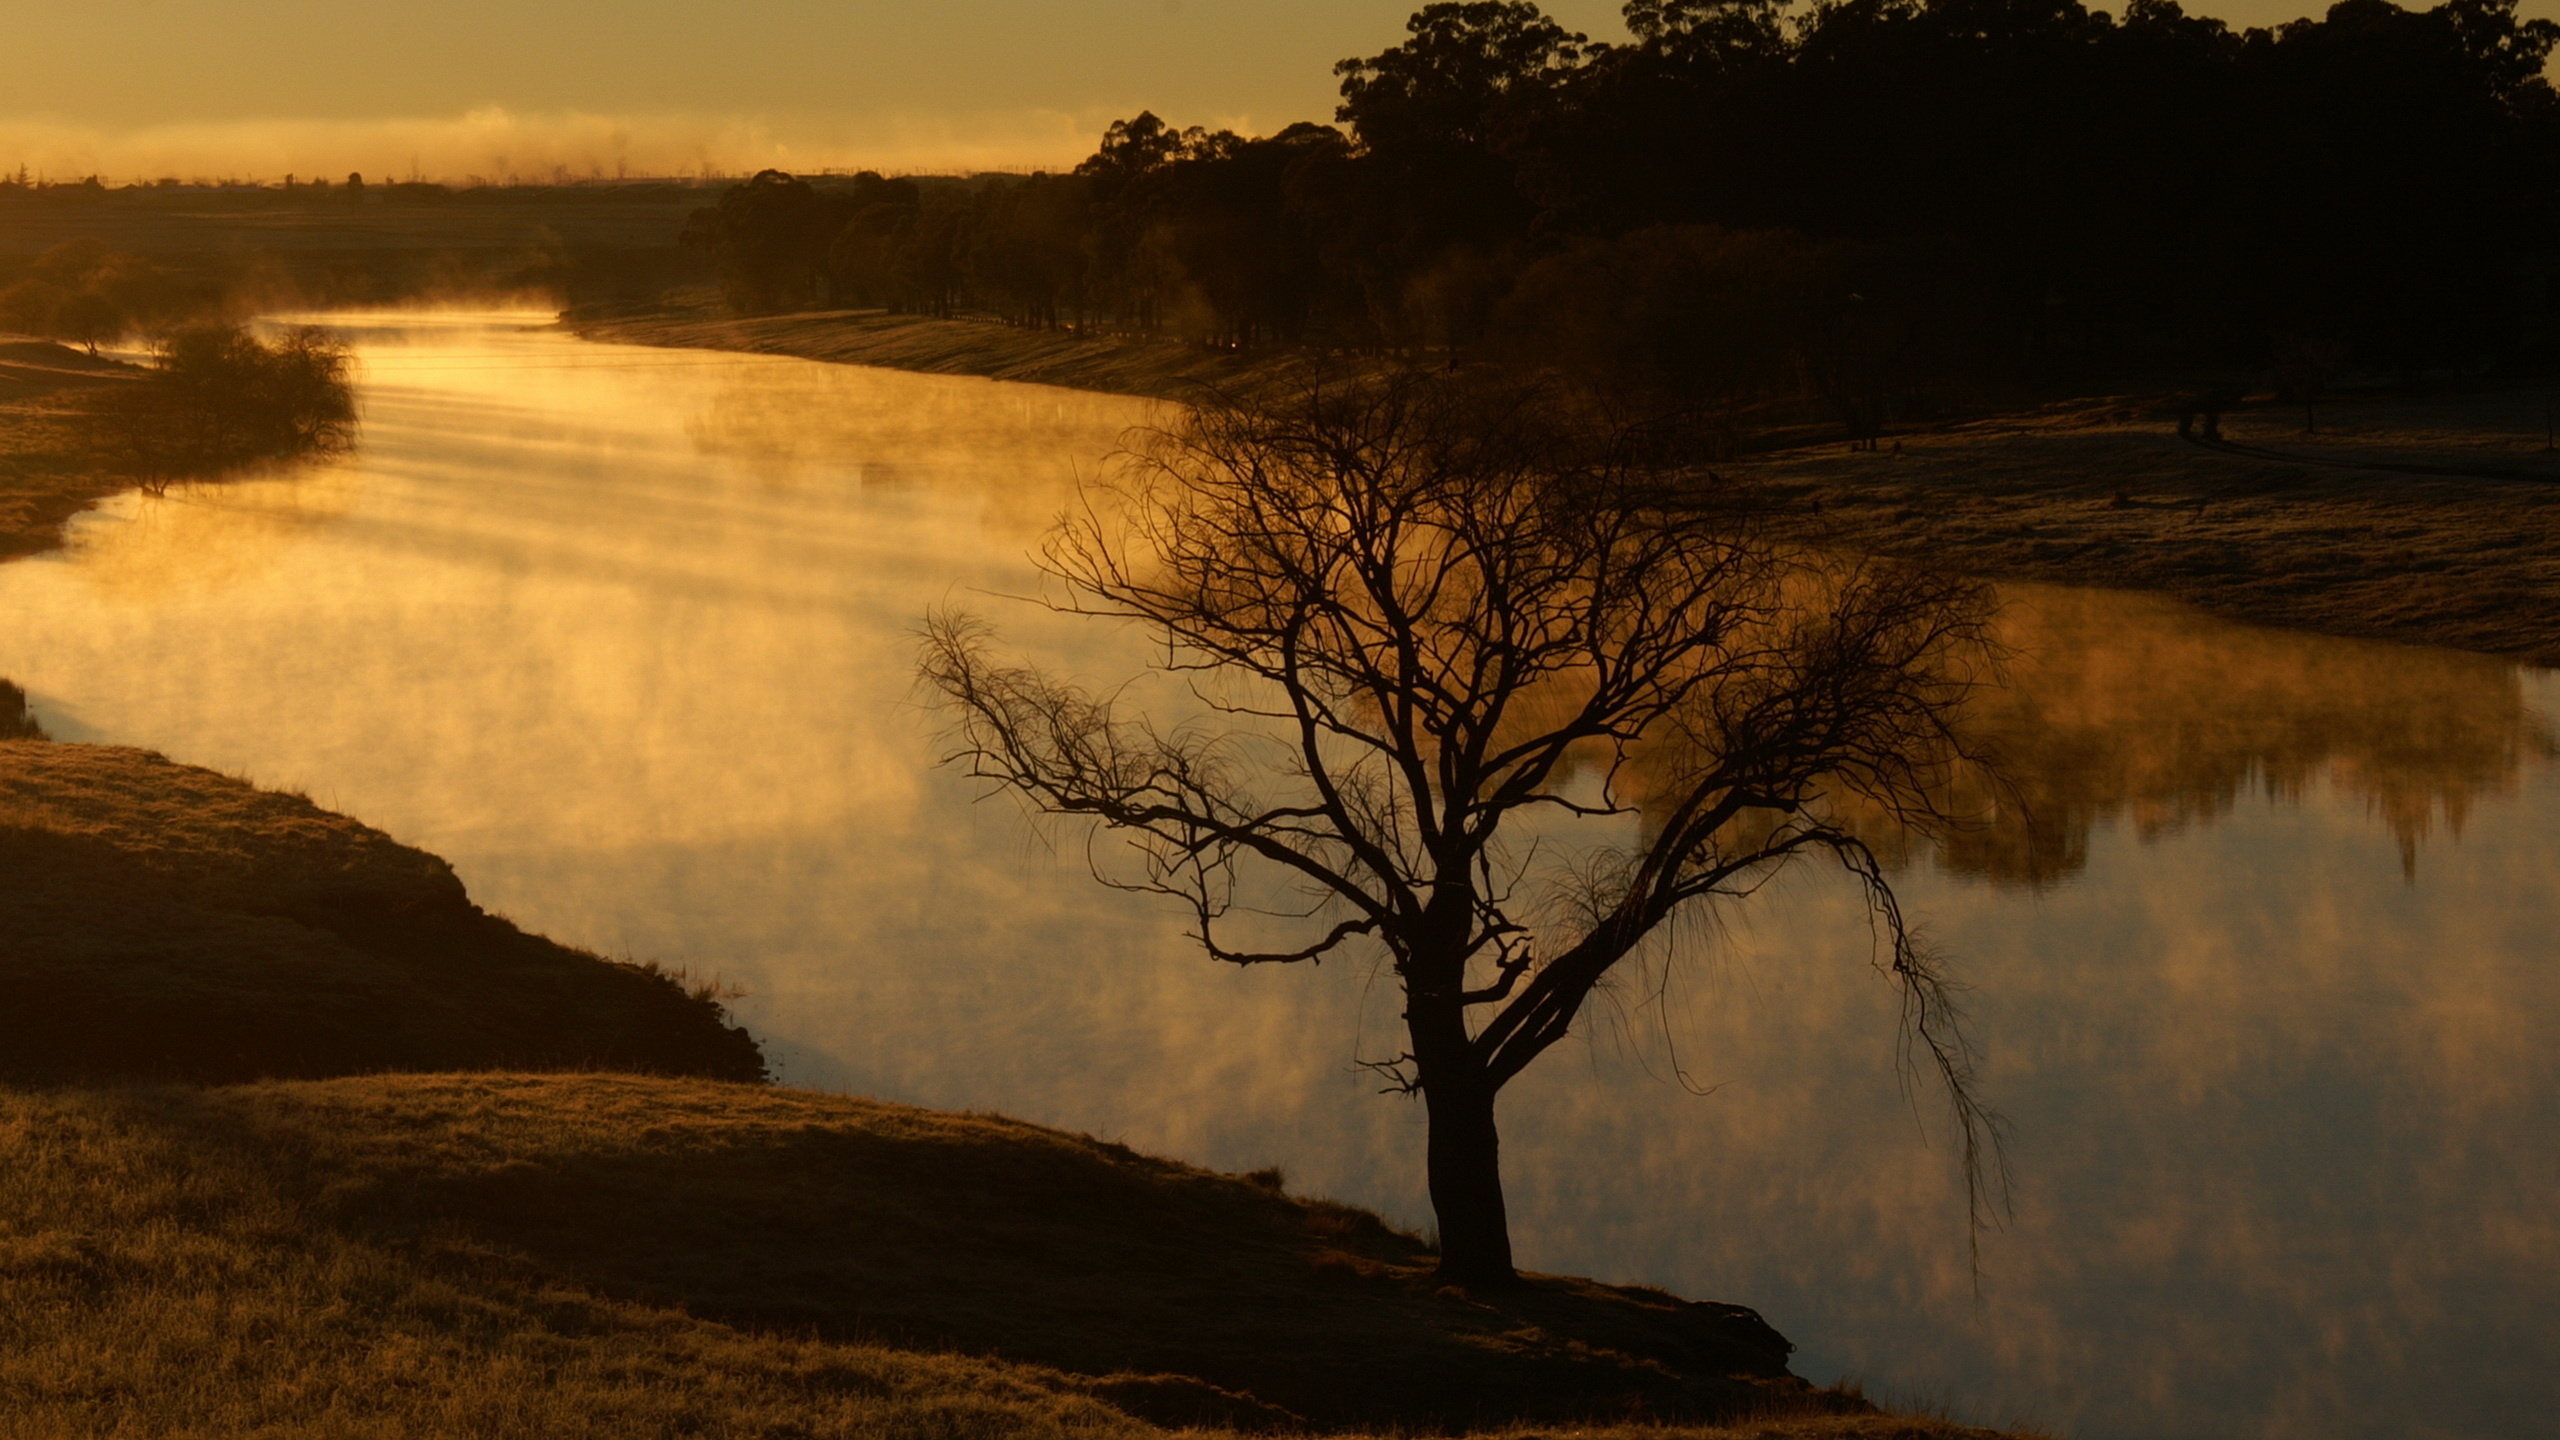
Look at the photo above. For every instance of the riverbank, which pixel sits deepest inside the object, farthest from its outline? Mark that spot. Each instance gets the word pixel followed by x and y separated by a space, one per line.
pixel 164 922
pixel 46 394
pixel 2429 520
pixel 1120 364
pixel 515 1255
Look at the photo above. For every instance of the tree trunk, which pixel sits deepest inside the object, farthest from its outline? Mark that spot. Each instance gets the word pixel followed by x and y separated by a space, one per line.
pixel 1466 1184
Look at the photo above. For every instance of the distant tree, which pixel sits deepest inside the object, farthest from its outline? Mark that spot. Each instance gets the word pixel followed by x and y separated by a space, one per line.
pixel 1681 320
pixel 1423 619
pixel 1442 120
pixel 87 318
pixel 929 266
pixel 1451 84
pixel 29 305
pixel 2038 194
pixel 1026 253
pixel 1710 34
pixel 770 239
pixel 864 256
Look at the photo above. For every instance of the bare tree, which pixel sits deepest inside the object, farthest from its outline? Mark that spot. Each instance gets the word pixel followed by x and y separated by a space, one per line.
pixel 1421 616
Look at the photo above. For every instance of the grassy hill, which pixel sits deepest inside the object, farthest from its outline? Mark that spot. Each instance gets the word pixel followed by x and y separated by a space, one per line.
pixel 162 921
pixel 507 1255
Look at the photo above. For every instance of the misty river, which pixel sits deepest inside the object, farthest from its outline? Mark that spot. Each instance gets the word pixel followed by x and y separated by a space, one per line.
pixel 2272 1006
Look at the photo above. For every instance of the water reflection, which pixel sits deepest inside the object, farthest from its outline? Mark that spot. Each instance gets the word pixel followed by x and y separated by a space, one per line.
pixel 2126 706
pixel 626 634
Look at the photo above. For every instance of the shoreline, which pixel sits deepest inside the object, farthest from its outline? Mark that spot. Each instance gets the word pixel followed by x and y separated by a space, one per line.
pixel 2354 532
pixel 1154 369
pixel 2343 534
pixel 44 482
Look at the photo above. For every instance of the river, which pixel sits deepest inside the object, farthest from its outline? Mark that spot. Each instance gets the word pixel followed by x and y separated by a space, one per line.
pixel 2271 1001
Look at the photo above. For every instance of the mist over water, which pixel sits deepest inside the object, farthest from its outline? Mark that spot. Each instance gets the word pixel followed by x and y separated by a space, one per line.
pixel 496 144
pixel 2270 992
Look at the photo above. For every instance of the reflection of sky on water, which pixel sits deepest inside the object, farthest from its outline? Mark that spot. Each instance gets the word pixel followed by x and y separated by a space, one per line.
pixel 626 635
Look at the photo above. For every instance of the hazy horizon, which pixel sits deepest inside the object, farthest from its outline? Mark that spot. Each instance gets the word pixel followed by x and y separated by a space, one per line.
pixel 143 89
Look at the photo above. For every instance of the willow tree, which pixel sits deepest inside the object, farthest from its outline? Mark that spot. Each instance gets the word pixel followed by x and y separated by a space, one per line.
pixel 1425 621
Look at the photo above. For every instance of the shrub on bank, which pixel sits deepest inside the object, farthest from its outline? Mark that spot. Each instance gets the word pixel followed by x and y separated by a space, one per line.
pixel 217 397
pixel 16 721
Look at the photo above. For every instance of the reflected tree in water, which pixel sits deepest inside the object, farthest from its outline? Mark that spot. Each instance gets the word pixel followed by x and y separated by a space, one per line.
pixel 2135 708
pixel 1429 624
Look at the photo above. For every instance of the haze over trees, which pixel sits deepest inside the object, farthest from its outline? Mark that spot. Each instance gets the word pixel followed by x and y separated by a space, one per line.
pixel 216 396
pixel 1870 203
pixel 86 292
pixel 1476 699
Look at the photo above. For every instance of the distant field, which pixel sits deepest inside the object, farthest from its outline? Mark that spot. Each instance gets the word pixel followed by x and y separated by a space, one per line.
pixel 333 247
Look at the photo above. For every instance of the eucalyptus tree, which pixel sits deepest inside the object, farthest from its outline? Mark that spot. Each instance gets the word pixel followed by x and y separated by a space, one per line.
pixel 1426 621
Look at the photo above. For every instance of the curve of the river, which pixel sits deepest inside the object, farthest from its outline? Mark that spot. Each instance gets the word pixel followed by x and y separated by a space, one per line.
pixel 2271 997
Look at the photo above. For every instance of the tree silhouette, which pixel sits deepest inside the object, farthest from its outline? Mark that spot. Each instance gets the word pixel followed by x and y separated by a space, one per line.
pixel 1425 619
pixel 217 396
pixel 2032 196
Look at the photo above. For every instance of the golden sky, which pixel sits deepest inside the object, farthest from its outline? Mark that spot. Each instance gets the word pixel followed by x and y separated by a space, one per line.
pixel 140 88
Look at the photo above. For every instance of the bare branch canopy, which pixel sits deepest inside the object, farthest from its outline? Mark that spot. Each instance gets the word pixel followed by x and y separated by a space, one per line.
pixel 1425 619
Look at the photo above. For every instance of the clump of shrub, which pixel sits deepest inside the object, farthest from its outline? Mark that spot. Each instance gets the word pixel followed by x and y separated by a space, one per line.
pixel 217 397
pixel 84 292
pixel 16 723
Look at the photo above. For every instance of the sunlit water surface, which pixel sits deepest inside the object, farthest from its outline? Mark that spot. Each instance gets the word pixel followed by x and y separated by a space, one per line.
pixel 2272 1001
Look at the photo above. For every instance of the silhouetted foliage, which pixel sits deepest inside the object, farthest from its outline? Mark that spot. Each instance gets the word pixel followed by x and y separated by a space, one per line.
pixel 16 721
pixel 85 292
pixel 769 239
pixel 1428 619
pixel 217 396
pixel 1986 194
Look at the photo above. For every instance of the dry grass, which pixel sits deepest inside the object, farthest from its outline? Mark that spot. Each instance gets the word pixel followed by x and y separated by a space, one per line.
pixel 505 1255
pixel 2104 495
pixel 1121 364
pixel 48 394
pixel 159 920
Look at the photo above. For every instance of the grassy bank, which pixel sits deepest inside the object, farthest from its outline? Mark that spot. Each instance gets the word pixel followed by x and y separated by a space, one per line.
pixel 49 395
pixel 512 1255
pixel 164 921
pixel 2429 519
pixel 1121 364
pixel 214 401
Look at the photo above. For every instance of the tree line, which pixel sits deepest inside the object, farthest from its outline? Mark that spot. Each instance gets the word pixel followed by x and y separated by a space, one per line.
pixel 1753 202
pixel 85 292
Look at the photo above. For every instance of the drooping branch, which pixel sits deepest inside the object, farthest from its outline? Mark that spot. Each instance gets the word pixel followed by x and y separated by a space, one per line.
pixel 1422 613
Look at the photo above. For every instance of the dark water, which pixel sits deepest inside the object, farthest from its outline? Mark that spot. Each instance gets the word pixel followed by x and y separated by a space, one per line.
pixel 2272 999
